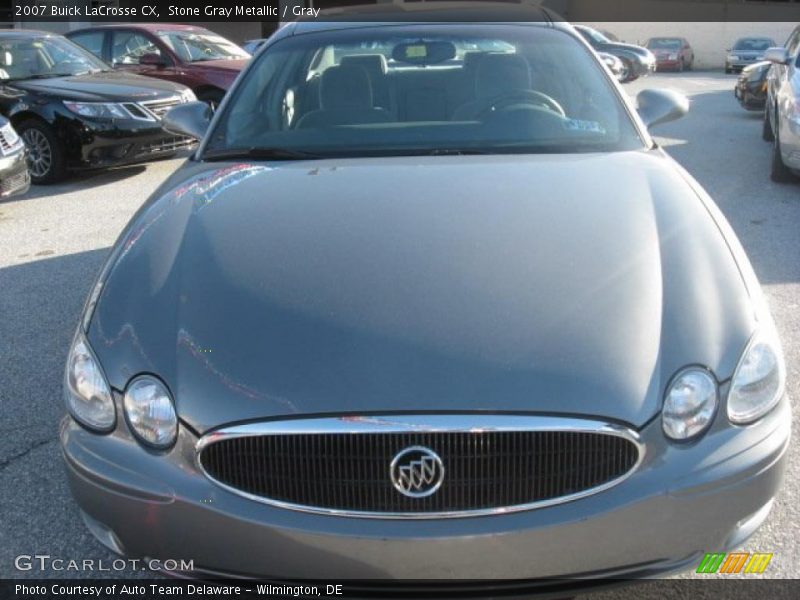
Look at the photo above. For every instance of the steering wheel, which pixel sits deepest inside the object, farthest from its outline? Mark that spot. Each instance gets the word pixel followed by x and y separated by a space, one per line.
pixel 508 99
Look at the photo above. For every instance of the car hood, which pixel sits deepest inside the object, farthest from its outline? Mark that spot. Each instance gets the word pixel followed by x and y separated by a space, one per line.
pixel 621 47
pixel 113 86
pixel 570 284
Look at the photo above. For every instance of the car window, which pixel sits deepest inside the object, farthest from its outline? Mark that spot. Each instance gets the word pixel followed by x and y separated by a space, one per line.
pixel 752 45
pixel 46 56
pixel 793 43
pixel 127 47
pixel 664 44
pixel 91 40
pixel 441 88
pixel 197 45
pixel 592 35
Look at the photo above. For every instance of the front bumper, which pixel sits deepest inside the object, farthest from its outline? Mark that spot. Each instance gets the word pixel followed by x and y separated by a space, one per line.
pixel 738 65
pixel 14 176
pixel 751 95
pixel 106 143
pixel 682 501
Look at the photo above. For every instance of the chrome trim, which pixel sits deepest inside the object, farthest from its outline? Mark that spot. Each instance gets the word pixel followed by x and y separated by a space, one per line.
pixel 170 102
pixel 474 423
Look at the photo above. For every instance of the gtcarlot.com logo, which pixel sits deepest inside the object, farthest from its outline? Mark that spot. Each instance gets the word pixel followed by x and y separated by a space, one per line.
pixel 46 562
pixel 735 562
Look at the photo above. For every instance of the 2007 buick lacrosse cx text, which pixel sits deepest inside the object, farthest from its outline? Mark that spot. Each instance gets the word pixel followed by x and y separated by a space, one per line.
pixel 427 302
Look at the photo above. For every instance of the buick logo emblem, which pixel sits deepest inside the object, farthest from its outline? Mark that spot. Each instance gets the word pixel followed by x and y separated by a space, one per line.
pixel 416 472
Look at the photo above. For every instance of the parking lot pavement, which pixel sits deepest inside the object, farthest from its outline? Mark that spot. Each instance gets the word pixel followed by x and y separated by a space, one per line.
pixel 53 240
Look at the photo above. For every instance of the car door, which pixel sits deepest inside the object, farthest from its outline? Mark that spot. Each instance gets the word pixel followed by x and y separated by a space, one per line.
pixel 128 46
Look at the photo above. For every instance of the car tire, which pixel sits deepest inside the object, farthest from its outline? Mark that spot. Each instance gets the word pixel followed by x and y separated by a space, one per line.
pixel 627 70
pixel 47 160
pixel 766 130
pixel 779 172
pixel 211 97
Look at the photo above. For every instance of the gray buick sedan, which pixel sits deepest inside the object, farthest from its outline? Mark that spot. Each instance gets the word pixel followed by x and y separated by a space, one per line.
pixel 427 302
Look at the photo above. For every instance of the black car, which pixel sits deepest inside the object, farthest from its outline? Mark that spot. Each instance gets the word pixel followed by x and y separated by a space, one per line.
pixel 73 111
pixel 751 87
pixel 637 61
pixel 14 178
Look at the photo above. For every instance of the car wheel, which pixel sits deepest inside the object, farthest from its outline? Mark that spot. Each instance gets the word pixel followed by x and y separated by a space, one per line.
pixel 212 98
pixel 627 71
pixel 46 157
pixel 766 130
pixel 779 173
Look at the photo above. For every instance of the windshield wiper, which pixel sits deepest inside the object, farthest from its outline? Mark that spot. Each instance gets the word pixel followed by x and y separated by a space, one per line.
pixel 259 153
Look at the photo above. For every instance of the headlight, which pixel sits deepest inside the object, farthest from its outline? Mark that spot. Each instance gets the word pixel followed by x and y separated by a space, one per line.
pixel 732 57
pixel 690 404
pixel 98 110
pixel 150 413
pixel 86 391
pixel 758 381
pixel 188 96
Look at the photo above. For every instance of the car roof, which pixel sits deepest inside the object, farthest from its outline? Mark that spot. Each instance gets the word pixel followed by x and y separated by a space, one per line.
pixel 386 14
pixel 26 33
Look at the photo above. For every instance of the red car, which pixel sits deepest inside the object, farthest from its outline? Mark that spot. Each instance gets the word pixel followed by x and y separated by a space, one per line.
pixel 193 56
pixel 672 53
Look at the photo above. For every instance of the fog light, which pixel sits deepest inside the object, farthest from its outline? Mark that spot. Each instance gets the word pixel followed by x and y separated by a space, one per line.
pixel 150 412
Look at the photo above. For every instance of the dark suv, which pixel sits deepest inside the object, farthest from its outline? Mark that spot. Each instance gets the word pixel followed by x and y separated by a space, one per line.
pixel 196 57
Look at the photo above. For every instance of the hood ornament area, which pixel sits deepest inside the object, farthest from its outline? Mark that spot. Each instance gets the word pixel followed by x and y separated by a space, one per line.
pixel 416 472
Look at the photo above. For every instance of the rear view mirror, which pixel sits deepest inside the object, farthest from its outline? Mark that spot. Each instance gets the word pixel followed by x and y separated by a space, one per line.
pixel 777 55
pixel 424 53
pixel 152 59
pixel 661 106
pixel 190 119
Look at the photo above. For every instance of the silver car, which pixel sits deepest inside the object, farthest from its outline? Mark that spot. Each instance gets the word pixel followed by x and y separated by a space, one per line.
pixel 782 114
pixel 439 310
pixel 746 51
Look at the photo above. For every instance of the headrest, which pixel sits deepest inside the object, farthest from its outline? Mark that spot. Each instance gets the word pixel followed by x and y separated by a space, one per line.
pixel 373 64
pixel 345 87
pixel 501 73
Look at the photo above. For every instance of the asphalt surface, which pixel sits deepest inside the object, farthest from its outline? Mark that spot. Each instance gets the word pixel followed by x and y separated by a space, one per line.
pixel 54 239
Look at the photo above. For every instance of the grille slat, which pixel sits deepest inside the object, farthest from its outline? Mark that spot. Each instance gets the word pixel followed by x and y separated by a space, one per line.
pixel 483 469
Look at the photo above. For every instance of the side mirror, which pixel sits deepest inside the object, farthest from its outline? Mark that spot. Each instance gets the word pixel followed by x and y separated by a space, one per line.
pixel 152 59
pixel 661 106
pixel 190 119
pixel 777 55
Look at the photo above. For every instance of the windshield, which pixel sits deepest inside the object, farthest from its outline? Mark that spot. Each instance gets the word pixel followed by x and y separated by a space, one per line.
pixel 753 45
pixel 198 45
pixel 664 44
pixel 42 57
pixel 424 89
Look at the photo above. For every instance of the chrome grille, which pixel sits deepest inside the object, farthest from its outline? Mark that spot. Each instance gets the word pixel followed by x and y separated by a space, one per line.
pixel 523 465
pixel 160 107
